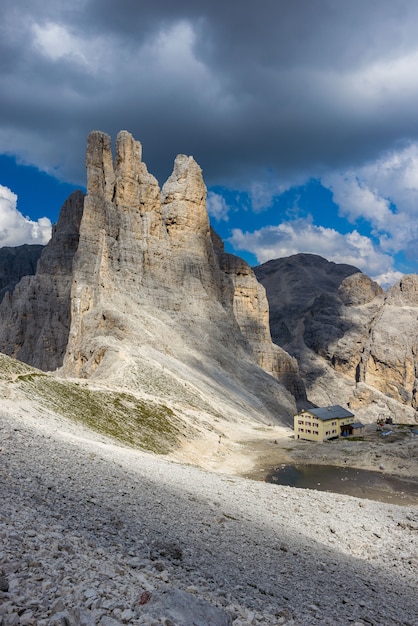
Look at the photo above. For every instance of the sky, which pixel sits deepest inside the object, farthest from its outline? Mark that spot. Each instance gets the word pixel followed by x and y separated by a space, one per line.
pixel 301 113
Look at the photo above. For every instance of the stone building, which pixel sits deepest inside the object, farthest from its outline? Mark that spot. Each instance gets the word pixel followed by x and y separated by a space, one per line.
pixel 324 423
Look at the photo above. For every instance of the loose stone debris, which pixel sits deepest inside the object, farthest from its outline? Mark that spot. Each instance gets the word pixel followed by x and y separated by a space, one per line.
pixel 96 534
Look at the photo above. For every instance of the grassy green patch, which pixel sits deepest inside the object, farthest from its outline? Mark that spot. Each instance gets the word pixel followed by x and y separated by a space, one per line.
pixel 122 416
pixel 10 369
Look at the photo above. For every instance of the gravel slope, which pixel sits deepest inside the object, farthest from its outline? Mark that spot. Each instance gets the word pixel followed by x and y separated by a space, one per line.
pixel 92 533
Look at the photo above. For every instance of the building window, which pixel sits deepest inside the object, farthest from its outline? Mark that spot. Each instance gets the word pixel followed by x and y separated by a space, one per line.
pixel 334 423
pixel 328 432
pixel 334 432
pixel 308 431
pixel 308 423
pixel 315 432
pixel 300 430
pixel 300 422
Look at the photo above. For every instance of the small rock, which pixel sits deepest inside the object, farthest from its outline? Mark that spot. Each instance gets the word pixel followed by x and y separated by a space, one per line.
pixel 27 619
pixel 127 615
pixel 60 619
pixel 4 584
pixel 109 621
pixel 58 607
pixel 87 618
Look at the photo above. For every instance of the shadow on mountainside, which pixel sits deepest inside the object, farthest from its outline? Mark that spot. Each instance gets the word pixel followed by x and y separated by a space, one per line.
pixel 240 386
pixel 35 316
pixel 311 302
pixel 16 262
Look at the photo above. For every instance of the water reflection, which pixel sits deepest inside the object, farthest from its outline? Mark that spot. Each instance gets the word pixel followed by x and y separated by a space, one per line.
pixel 347 480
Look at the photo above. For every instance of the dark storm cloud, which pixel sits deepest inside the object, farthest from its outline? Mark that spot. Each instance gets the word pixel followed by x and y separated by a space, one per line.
pixel 295 86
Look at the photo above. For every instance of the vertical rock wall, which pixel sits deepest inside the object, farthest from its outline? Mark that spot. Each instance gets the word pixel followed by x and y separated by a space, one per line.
pixel 145 251
pixel 35 318
pixel 390 362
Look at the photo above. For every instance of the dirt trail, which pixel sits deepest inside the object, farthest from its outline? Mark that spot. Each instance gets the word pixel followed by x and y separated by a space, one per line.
pixel 253 453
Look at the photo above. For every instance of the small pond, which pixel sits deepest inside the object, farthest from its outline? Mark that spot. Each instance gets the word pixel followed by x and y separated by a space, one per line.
pixel 347 480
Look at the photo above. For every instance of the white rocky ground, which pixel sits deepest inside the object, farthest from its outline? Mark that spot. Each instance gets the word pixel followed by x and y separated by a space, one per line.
pixel 93 533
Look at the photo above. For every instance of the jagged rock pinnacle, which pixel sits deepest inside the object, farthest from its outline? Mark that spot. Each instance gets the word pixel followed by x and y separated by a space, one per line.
pixel 131 285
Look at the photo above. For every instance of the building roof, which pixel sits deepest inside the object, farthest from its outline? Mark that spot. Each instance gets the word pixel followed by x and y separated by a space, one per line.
pixel 330 412
pixel 357 425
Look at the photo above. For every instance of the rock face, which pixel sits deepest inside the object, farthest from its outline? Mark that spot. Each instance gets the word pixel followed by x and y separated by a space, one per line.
pixel 354 343
pixel 390 359
pixel 250 308
pixel 35 317
pixel 148 281
pixel 137 293
pixel 16 263
pixel 136 289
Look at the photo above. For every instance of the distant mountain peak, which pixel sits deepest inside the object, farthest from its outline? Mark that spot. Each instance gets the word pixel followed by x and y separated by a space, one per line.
pixel 353 341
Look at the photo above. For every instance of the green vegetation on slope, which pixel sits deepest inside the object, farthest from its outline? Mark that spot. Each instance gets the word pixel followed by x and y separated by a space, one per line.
pixel 10 369
pixel 119 415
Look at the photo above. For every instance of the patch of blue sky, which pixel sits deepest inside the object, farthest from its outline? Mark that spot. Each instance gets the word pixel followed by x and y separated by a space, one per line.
pixel 38 193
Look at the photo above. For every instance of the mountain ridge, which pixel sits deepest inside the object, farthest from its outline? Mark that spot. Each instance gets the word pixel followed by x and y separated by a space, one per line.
pixel 135 289
pixel 352 340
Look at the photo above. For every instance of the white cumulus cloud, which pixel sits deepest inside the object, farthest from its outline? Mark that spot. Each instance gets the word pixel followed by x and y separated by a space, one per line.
pixel 384 193
pixel 292 237
pixel 15 229
pixel 217 206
